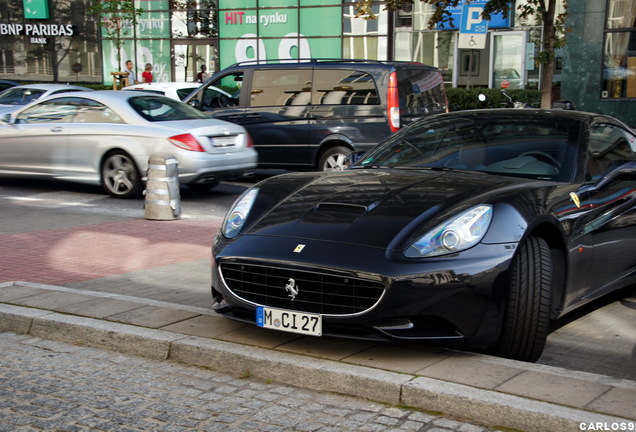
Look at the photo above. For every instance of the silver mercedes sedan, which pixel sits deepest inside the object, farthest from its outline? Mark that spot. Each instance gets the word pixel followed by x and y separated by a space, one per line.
pixel 107 137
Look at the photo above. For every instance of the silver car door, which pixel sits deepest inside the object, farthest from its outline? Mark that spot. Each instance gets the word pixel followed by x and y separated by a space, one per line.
pixel 34 143
pixel 93 127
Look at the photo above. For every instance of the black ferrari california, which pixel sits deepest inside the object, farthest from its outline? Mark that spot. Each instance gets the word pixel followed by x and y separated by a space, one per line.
pixel 473 228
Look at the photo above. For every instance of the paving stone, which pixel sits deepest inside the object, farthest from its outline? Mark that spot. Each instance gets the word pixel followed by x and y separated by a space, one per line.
pixel 56 386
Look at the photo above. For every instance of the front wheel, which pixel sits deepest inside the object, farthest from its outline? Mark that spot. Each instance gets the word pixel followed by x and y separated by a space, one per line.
pixel 120 176
pixel 527 307
pixel 334 159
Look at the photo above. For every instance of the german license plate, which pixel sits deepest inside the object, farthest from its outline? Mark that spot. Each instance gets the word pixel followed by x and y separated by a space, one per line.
pixel 289 321
pixel 224 141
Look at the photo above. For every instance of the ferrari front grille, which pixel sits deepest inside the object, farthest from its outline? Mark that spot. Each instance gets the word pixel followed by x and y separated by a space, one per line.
pixel 301 290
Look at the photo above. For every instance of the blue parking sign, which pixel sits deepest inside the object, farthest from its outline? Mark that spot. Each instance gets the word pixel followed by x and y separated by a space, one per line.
pixel 471 21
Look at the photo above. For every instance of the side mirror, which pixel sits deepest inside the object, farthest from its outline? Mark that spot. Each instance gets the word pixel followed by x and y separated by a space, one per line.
pixel 6 118
pixel 622 169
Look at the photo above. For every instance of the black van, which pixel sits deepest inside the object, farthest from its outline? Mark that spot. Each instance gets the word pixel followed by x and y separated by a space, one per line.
pixel 312 114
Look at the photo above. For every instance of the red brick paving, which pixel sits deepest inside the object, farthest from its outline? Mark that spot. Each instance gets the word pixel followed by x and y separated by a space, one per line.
pixel 68 255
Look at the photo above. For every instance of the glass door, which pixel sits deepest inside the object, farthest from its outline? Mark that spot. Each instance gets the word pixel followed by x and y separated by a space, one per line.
pixel 193 60
pixel 508 60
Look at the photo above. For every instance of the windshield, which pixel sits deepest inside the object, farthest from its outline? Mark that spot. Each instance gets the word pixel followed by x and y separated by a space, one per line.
pixel 159 108
pixel 20 96
pixel 524 146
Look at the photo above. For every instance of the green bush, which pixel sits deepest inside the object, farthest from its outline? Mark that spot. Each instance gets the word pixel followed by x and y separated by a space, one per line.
pixel 463 99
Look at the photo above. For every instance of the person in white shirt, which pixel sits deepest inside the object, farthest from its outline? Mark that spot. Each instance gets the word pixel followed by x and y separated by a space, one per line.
pixel 132 76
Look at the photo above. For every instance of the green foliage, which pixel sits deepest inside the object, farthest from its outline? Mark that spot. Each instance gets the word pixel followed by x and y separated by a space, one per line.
pixel 463 99
pixel 118 18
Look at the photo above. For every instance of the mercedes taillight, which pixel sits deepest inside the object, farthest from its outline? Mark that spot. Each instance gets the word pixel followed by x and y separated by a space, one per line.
pixel 186 142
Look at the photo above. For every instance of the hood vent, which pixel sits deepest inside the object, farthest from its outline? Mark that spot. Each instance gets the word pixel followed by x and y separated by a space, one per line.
pixel 335 213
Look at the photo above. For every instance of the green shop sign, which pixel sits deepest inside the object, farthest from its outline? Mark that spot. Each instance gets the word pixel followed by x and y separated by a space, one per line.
pixel 279 29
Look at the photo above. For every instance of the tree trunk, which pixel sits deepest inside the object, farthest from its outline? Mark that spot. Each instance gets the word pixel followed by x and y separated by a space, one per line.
pixel 548 48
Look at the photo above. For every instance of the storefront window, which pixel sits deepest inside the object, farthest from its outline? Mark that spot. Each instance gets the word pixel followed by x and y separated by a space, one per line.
pixel 619 72
pixel 365 38
pixel 193 19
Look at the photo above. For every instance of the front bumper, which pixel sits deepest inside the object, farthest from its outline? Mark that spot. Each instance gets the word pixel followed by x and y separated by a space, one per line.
pixel 452 300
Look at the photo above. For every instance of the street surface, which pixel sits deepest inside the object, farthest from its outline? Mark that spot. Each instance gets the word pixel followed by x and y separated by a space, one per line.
pixel 40 224
pixel 48 385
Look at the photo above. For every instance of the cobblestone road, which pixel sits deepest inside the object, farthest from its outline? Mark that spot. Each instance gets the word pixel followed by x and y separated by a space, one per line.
pixel 52 386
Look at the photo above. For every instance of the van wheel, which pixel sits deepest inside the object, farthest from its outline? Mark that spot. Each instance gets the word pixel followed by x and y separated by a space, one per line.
pixel 334 159
pixel 120 176
pixel 527 309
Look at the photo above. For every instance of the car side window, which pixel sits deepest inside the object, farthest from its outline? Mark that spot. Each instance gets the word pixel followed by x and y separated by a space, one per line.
pixel 344 87
pixel 281 87
pixel 222 92
pixel 51 111
pixel 184 92
pixel 90 111
pixel 608 143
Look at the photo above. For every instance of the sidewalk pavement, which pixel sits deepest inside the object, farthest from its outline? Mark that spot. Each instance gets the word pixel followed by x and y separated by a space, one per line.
pixel 85 280
pixel 478 388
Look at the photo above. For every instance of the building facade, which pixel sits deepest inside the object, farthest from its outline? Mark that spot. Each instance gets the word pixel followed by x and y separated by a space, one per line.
pixel 63 41
pixel 599 64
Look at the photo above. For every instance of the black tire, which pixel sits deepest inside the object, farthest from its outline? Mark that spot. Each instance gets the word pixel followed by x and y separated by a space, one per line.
pixel 120 176
pixel 334 159
pixel 527 308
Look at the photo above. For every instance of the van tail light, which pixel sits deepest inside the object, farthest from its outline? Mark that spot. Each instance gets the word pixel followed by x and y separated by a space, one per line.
pixel 393 103
pixel 249 142
pixel 186 142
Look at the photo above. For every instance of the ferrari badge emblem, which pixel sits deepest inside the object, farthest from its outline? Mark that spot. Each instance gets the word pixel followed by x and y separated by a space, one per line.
pixel 575 199
pixel 299 248
pixel 291 288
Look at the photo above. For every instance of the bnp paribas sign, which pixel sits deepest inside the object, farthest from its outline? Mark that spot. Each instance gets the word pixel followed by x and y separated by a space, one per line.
pixel 37 32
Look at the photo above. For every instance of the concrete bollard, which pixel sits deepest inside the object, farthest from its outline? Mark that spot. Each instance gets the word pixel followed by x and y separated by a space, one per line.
pixel 162 188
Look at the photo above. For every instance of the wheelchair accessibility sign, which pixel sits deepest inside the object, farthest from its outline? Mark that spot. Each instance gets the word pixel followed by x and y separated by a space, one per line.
pixel 473 28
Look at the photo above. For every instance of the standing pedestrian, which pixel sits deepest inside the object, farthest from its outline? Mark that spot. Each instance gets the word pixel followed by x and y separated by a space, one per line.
pixel 203 75
pixel 147 74
pixel 132 76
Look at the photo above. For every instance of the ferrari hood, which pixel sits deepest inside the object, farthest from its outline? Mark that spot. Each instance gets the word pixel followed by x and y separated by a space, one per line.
pixel 367 207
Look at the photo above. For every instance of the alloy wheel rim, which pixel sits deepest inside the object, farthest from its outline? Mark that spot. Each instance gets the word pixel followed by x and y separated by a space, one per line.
pixel 119 174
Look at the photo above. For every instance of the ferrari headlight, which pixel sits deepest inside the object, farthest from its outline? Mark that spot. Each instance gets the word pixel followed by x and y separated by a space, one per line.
pixel 458 234
pixel 237 215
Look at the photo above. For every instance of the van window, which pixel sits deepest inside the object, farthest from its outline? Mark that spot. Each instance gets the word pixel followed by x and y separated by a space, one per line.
pixel 344 87
pixel 280 87
pixel 421 88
